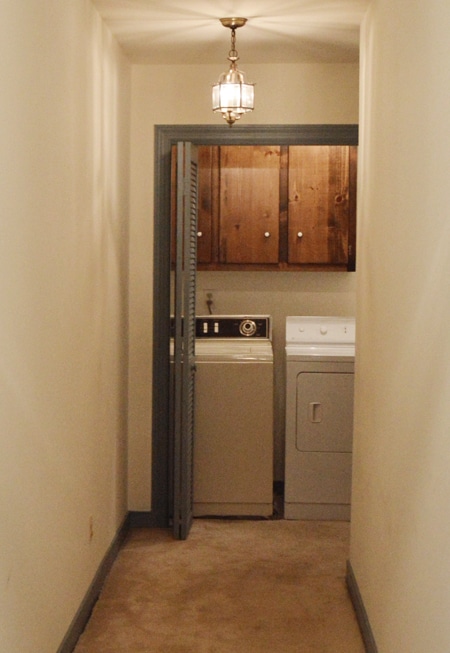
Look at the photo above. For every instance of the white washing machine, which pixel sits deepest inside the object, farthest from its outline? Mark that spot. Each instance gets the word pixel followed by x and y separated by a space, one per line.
pixel 233 442
pixel 320 353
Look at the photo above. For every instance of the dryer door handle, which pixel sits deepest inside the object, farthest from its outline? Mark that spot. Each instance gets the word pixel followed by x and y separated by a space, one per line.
pixel 315 412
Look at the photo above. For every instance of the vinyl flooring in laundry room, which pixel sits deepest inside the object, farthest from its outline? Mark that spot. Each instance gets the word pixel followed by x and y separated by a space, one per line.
pixel 235 586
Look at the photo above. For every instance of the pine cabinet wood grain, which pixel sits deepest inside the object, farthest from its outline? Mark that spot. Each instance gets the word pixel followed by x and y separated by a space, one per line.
pixel 277 207
pixel 249 201
pixel 319 204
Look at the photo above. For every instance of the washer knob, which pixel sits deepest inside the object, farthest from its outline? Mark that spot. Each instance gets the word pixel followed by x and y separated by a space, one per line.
pixel 247 328
pixel 323 330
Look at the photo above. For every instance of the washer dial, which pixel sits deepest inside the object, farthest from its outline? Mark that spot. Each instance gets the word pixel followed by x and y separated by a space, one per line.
pixel 247 328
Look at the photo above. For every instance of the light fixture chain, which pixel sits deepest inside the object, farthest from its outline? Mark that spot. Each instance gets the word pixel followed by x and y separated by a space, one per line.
pixel 233 54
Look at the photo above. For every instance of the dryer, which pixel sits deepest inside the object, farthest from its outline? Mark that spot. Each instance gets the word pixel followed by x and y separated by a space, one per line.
pixel 320 355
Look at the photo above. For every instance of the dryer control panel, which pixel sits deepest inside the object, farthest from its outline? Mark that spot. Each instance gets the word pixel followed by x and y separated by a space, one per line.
pixel 318 331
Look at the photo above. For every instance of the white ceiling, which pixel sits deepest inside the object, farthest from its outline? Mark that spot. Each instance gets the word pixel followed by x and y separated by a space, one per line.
pixel 277 31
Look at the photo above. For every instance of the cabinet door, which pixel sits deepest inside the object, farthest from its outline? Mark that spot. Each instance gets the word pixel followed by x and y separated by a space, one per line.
pixel 249 204
pixel 207 169
pixel 318 204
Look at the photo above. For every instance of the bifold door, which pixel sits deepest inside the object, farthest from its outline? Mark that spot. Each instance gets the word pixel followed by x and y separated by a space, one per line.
pixel 182 400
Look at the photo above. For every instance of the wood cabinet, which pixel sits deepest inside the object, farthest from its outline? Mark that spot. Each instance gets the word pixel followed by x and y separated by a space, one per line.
pixel 277 207
pixel 249 199
pixel 321 204
pixel 207 190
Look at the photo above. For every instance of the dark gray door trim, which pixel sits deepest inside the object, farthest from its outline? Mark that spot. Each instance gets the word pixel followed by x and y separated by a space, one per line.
pixel 165 137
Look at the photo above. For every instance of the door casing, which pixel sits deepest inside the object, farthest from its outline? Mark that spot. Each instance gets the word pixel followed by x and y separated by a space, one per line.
pixel 165 137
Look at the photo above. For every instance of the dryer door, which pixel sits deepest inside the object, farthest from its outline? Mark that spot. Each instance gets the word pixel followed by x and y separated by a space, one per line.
pixel 324 415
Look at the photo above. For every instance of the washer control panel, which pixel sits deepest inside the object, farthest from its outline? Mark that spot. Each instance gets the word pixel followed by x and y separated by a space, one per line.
pixel 233 326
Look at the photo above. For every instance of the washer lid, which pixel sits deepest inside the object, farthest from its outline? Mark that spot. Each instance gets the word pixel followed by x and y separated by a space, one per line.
pixel 233 349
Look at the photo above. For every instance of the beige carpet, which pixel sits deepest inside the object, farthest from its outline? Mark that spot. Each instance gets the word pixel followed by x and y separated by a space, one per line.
pixel 234 586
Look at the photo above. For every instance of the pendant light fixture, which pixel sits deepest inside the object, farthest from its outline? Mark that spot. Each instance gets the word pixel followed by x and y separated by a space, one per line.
pixel 232 96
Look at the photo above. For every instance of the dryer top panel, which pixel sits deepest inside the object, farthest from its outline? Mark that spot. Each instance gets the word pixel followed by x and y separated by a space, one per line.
pixel 317 332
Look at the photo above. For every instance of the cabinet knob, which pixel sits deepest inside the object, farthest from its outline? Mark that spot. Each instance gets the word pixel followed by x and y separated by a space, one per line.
pixel 299 234
pixel 199 234
pixel 266 234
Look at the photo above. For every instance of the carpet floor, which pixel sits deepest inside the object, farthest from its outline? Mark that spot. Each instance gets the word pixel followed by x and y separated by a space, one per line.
pixel 235 586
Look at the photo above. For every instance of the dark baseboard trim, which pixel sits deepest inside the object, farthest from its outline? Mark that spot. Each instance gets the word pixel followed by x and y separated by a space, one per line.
pixel 141 519
pixel 360 610
pixel 84 612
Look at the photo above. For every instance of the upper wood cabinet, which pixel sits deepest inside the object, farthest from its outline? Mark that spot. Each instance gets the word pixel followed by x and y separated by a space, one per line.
pixel 249 204
pixel 321 204
pixel 277 207
pixel 207 190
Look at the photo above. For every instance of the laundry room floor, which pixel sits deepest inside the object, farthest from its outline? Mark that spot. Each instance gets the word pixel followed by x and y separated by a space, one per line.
pixel 235 586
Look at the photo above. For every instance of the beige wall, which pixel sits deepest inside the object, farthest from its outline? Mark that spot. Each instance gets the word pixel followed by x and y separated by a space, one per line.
pixel 182 95
pixel 64 137
pixel 401 488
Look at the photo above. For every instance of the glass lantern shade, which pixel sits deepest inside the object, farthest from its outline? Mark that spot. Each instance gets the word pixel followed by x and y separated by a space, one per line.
pixel 232 96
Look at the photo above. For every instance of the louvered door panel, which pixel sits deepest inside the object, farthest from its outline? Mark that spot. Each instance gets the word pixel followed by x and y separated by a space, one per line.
pixel 184 339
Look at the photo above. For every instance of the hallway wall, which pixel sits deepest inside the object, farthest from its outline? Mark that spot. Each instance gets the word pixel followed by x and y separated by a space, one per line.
pixel 401 482
pixel 64 152
pixel 308 93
